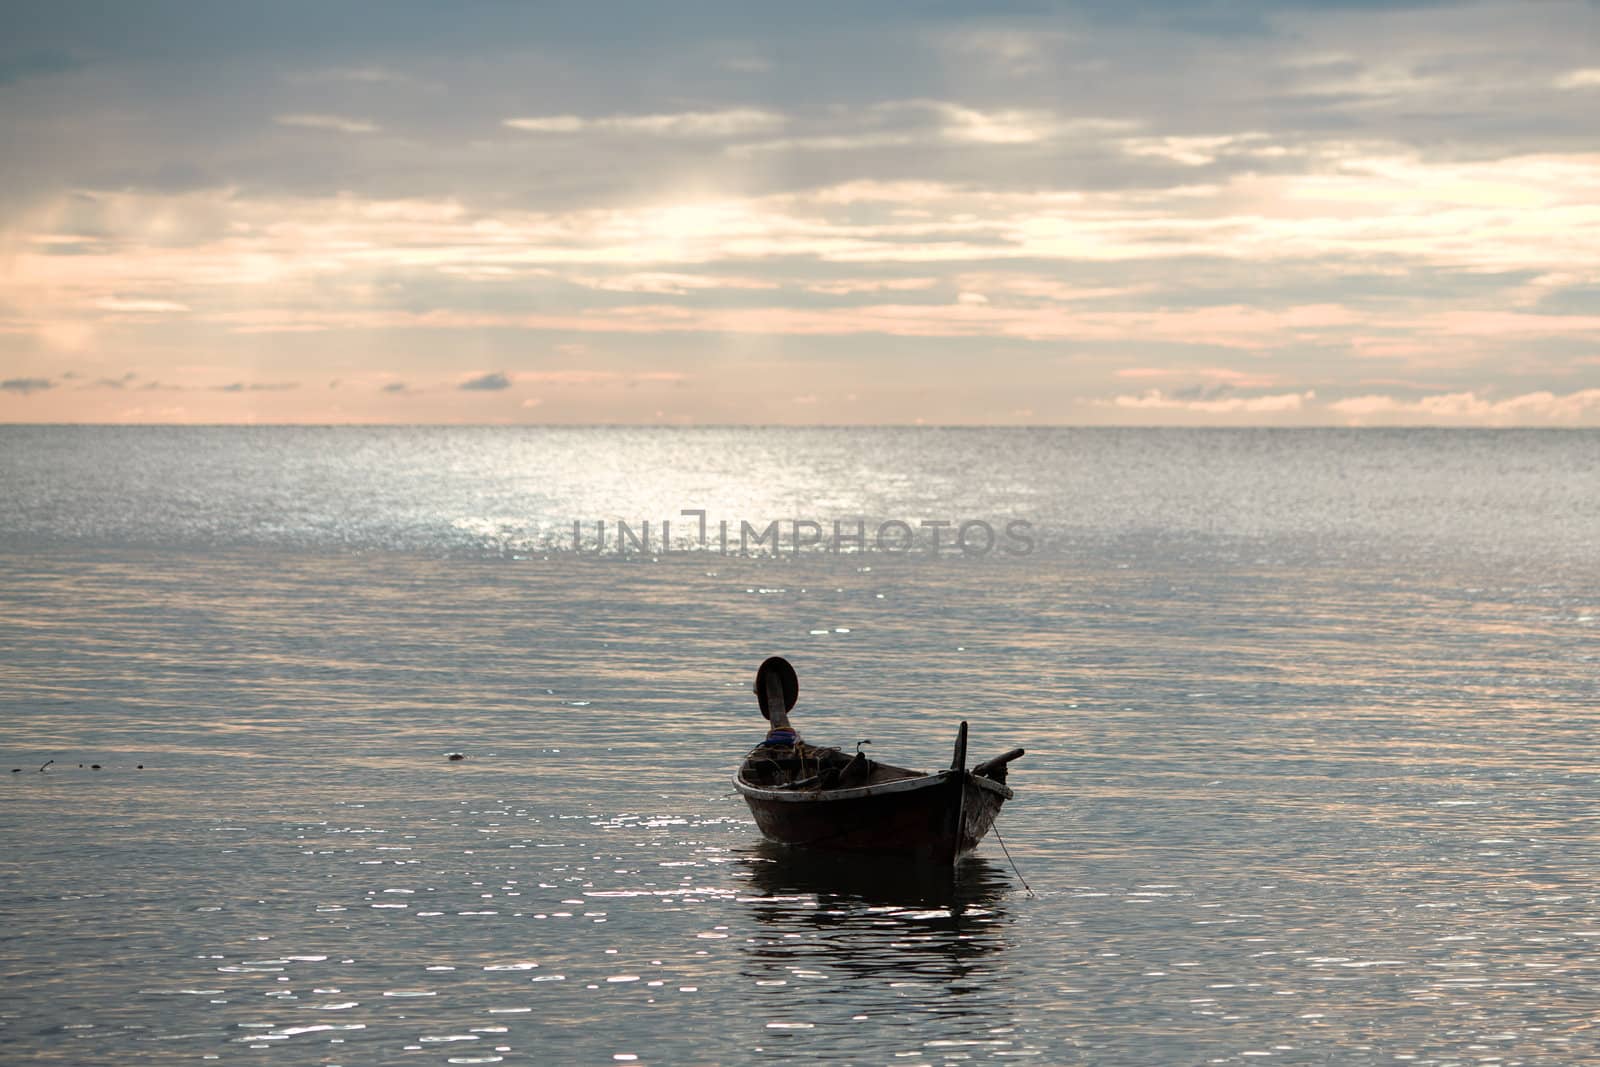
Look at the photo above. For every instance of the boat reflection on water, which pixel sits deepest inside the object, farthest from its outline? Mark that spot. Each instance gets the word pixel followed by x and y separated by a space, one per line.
pixel 843 885
pixel 842 940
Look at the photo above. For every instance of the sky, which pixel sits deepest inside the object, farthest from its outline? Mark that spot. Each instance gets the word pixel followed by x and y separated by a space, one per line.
pixel 1123 213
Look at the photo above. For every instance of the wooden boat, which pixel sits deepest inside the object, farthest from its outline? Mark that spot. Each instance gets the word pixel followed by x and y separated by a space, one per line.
pixel 822 798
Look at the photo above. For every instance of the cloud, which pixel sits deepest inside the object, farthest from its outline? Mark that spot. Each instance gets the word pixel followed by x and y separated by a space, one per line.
pixel 733 122
pixel 670 283
pixel 254 387
pixel 26 385
pixel 1187 151
pixel 1015 126
pixel 1155 399
pixel 281 327
pixel 397 387
pixel 599 377
pixel 944 125
pixel 1225 377
pixel 334 123
pixel 494 380
pixel 1587 78
pixel 961 124
pixel 1265 196
pixel 549 124
pixel 1007 50
pixel 140 306
pixel 854 286
pixel 1535 407
pixel 1456 217
pixel 817 145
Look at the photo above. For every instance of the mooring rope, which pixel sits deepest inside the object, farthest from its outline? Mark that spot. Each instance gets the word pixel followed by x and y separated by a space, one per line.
pixel 1007 851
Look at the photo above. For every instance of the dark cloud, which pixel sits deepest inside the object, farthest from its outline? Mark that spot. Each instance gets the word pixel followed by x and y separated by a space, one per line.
pixel 491 381
pixel 26 385
pixel 1202 392
pixel 1483 85
pixel 1572 300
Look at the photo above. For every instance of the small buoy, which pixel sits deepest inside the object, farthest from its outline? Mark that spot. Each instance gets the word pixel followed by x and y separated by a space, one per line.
pixel 141 766
pixel 456 756
pixel 94 766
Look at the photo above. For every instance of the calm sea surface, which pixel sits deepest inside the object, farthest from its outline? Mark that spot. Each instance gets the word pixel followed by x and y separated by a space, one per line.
pixel 1312 775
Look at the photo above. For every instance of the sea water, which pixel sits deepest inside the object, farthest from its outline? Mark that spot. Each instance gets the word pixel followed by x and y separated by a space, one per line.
pixel 1310 720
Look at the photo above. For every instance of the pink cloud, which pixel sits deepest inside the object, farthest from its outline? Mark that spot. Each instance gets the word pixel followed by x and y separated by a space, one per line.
pixel 1537 407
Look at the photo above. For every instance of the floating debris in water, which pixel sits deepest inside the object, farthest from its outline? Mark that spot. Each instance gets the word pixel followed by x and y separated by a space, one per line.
pixel 453 756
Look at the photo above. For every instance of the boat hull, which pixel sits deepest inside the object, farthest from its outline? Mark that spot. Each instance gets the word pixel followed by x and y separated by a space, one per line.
pixel 929 819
